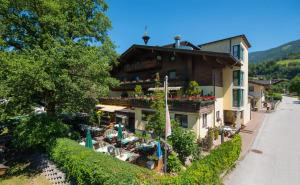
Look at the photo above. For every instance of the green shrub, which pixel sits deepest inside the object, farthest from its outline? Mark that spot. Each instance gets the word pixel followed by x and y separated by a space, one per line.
pixel 38 132
pixel 274 96
pixel 193 89
pixel 183 141
pixel 207 170
pixel 216 133
pixel 138 91
pixel 89 167
pixel 208 141
pixel 173 164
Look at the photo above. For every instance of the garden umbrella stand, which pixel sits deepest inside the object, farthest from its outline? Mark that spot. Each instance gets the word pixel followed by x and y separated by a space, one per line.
pixel 88 140
pixel 120 133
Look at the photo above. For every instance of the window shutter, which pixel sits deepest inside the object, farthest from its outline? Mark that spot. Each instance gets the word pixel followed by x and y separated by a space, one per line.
pixel 241 53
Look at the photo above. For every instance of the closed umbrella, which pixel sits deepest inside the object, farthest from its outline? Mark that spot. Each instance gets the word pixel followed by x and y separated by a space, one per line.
pixel 120 133
pixel 88 139
pixel 158 151
pixel 159 156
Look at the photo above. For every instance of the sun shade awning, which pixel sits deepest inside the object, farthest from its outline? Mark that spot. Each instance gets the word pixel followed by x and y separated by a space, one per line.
pixel 110 108
pixel 162 88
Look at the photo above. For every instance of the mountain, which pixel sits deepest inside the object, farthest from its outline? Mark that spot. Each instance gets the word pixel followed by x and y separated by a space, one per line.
pixel 277 53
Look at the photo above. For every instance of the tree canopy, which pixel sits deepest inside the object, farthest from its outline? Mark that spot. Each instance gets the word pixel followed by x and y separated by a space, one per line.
pixel 54 53
pixel 295 85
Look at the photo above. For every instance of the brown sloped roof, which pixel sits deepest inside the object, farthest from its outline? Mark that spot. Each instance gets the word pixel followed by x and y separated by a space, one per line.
pixel 266 82
pixel 243 37
pixel 229 58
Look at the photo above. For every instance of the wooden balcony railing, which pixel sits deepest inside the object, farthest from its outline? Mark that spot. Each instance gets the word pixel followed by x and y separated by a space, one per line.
pixel 184 104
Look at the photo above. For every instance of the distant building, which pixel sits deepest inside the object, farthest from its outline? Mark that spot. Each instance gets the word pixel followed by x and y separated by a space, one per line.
pixel 257 91
pixel 220 68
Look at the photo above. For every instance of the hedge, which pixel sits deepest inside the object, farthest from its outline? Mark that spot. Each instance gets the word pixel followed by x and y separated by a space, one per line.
pixel 89 167
pixel 208 170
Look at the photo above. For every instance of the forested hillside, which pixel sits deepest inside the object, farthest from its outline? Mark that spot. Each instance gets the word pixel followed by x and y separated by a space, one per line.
pixel 276 53
pixel 286 68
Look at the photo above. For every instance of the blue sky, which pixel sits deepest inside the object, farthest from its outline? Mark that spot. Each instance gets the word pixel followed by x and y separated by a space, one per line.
pixel 266 23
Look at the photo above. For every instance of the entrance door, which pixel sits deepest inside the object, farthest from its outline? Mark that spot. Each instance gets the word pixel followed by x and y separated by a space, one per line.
pixel 131 123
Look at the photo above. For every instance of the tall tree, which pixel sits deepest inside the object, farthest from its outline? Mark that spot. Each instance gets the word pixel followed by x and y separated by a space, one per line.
pixel 295 85
pixel 55 53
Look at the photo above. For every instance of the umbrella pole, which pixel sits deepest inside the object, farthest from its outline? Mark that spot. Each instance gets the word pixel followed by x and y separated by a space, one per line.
pixel 166 99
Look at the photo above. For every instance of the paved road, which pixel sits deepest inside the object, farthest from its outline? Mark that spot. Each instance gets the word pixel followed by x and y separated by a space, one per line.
pixel 279 142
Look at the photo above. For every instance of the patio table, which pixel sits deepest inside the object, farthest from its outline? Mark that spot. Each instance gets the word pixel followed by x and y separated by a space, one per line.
pixel 102 149
pixel 125 156
pixel 147 145
pixel 129 139
pixel 110 136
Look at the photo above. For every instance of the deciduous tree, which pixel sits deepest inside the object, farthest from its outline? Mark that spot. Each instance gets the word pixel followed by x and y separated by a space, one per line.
pixel 54 53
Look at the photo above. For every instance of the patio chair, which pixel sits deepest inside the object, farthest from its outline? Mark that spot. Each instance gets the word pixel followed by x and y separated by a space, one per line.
pixel 111 150
pixel 97 145
pixel 117 152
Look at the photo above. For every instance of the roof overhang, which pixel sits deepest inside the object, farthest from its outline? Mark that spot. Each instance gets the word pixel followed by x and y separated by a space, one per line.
pixel 110 108
pixel 229 38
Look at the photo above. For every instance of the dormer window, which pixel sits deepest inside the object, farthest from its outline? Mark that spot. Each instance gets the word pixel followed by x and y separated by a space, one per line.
pixel 238 52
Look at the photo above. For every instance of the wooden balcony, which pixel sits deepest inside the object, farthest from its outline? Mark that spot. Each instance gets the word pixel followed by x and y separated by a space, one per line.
pixel 139 66
pixel 200 104
pixel 146 84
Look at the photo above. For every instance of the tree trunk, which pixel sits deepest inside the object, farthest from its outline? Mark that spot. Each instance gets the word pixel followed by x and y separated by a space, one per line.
pixel 50 108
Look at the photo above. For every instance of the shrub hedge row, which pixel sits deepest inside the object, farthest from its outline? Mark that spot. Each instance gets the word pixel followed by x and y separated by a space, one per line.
pixel 208 170
pixel 88 167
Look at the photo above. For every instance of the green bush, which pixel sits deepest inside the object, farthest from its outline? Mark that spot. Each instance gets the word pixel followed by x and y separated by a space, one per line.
pixel 183 141
pixel 208 142
pixel 274 96
pixel 207 171
pixel 216 133
pixel 89 167
pixel 173 164
pixel 38 132
pixel 193 89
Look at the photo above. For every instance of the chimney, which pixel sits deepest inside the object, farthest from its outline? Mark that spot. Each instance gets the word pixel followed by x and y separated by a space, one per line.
pixel 146 37
pixel 177 41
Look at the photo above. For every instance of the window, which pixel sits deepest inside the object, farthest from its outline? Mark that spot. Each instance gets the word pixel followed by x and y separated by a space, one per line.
pixel 238 78
pixel 204 119
pixel 146 114
pixel 238 52
pixel 172 74
pixel 238 97
pixel 251 88
pixel 218 115
pixel 182 120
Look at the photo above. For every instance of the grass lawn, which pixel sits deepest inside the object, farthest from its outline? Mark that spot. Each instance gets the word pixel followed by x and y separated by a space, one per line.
pixel 25 180
pixel 22 173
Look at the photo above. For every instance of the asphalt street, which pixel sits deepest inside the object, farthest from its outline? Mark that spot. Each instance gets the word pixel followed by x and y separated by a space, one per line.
pixel 274 158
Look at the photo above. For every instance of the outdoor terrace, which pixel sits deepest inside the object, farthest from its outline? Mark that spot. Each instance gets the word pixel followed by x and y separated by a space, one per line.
pixel 179 103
